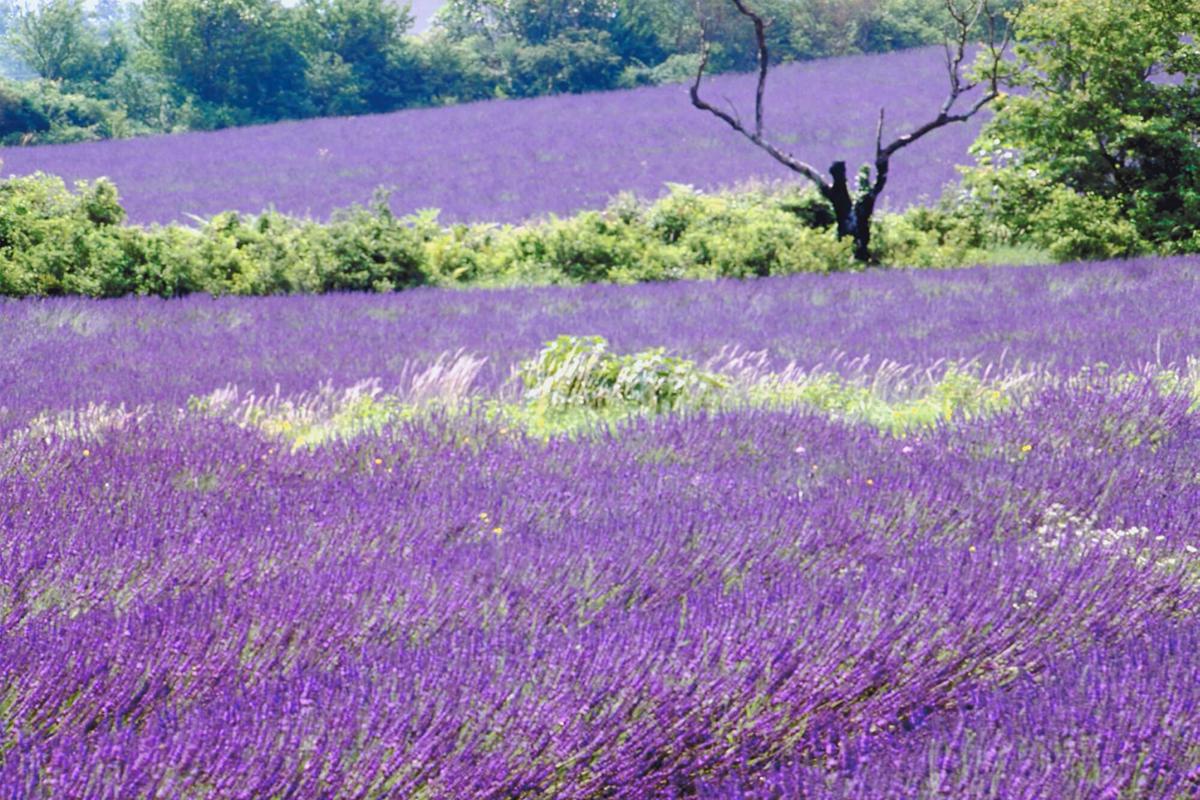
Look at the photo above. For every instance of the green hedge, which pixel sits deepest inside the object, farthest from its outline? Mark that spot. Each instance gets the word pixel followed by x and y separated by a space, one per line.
pixel 55 241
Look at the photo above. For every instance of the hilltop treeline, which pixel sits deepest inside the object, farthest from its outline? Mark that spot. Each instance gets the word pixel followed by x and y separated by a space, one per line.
pixel 172 65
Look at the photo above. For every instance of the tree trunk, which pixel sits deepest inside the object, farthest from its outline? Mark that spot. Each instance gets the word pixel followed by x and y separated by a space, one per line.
pixel 853 216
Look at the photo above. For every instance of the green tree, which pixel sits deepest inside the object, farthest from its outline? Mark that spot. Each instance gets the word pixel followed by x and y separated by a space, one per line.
pixel 544 46
pixel 527 21
pixel 240 54
pixel 573 61
pixel 358 45
pixel 55 40
pixel 20 114
pixel 1109 107
pixel 452 71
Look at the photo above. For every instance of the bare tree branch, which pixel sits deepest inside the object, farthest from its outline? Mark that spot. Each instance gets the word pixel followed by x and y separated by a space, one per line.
pixel 760 35
pixel 965 20
pixel 854 213
pixel 734 121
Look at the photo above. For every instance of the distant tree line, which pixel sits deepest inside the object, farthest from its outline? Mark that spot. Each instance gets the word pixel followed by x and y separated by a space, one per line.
pixel 111 70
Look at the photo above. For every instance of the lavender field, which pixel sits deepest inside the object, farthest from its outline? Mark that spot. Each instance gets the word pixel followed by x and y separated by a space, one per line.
pixel 506 161
pixel 65 353
pixel 769 597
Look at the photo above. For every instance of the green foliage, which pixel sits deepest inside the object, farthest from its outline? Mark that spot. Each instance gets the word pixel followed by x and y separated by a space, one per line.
pixel 363 249
pixel 55 41
pixel 586 248
pixel 938 236
pixel 580 371
pixel 370 249
pixel 1107 126
pixel 39 112
pixel 239 55
pixel 21 115
pixel 54 241
pixel 1023 207
pixel 727 237
pixel 573 61
pixel 958 395
pixel 683 235
pixel 356 53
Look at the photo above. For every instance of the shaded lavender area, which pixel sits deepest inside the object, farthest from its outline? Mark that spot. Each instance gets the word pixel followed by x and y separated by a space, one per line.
pixel 67 352
pixel 510 160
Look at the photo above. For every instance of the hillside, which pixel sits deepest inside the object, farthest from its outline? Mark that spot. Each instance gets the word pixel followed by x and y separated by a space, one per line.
pixel 331 547
pixel 1061 318
pixel 509 160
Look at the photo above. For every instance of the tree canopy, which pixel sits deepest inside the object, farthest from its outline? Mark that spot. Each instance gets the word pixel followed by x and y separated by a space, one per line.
pixel 1108 106
pixel 55 40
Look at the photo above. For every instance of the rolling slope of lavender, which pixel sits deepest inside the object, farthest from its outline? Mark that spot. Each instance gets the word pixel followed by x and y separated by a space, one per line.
pixel 65 353
pixel 759 604
pixel 744 602
pixel 510 160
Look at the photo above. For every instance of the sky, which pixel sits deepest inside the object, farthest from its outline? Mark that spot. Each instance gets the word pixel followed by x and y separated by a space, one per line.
pixel 423 11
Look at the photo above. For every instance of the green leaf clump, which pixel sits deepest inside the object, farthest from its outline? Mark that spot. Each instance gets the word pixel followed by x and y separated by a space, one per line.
pixel 580 371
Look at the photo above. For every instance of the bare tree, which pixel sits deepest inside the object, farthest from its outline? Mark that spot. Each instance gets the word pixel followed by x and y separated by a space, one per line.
pixel 853 212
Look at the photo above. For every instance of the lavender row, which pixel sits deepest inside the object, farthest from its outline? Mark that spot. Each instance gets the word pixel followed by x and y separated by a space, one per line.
pixel 454 610
pixel 509 160
pixel 66 353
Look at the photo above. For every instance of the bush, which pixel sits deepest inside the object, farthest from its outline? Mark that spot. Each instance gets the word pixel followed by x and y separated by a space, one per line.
pixel 747 234
pixel 580 371
pixel 368 249
pixel 942 236
pixel 41 112
pixel 683 235
pixel 54 241
pixel 1015 206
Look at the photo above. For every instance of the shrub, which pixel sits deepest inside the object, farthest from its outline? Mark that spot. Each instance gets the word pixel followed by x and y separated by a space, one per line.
pixel 579 371
pixel 42 112
pixel 1023 207
pixel 930 237
pixel 368 249
pixel 55 241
